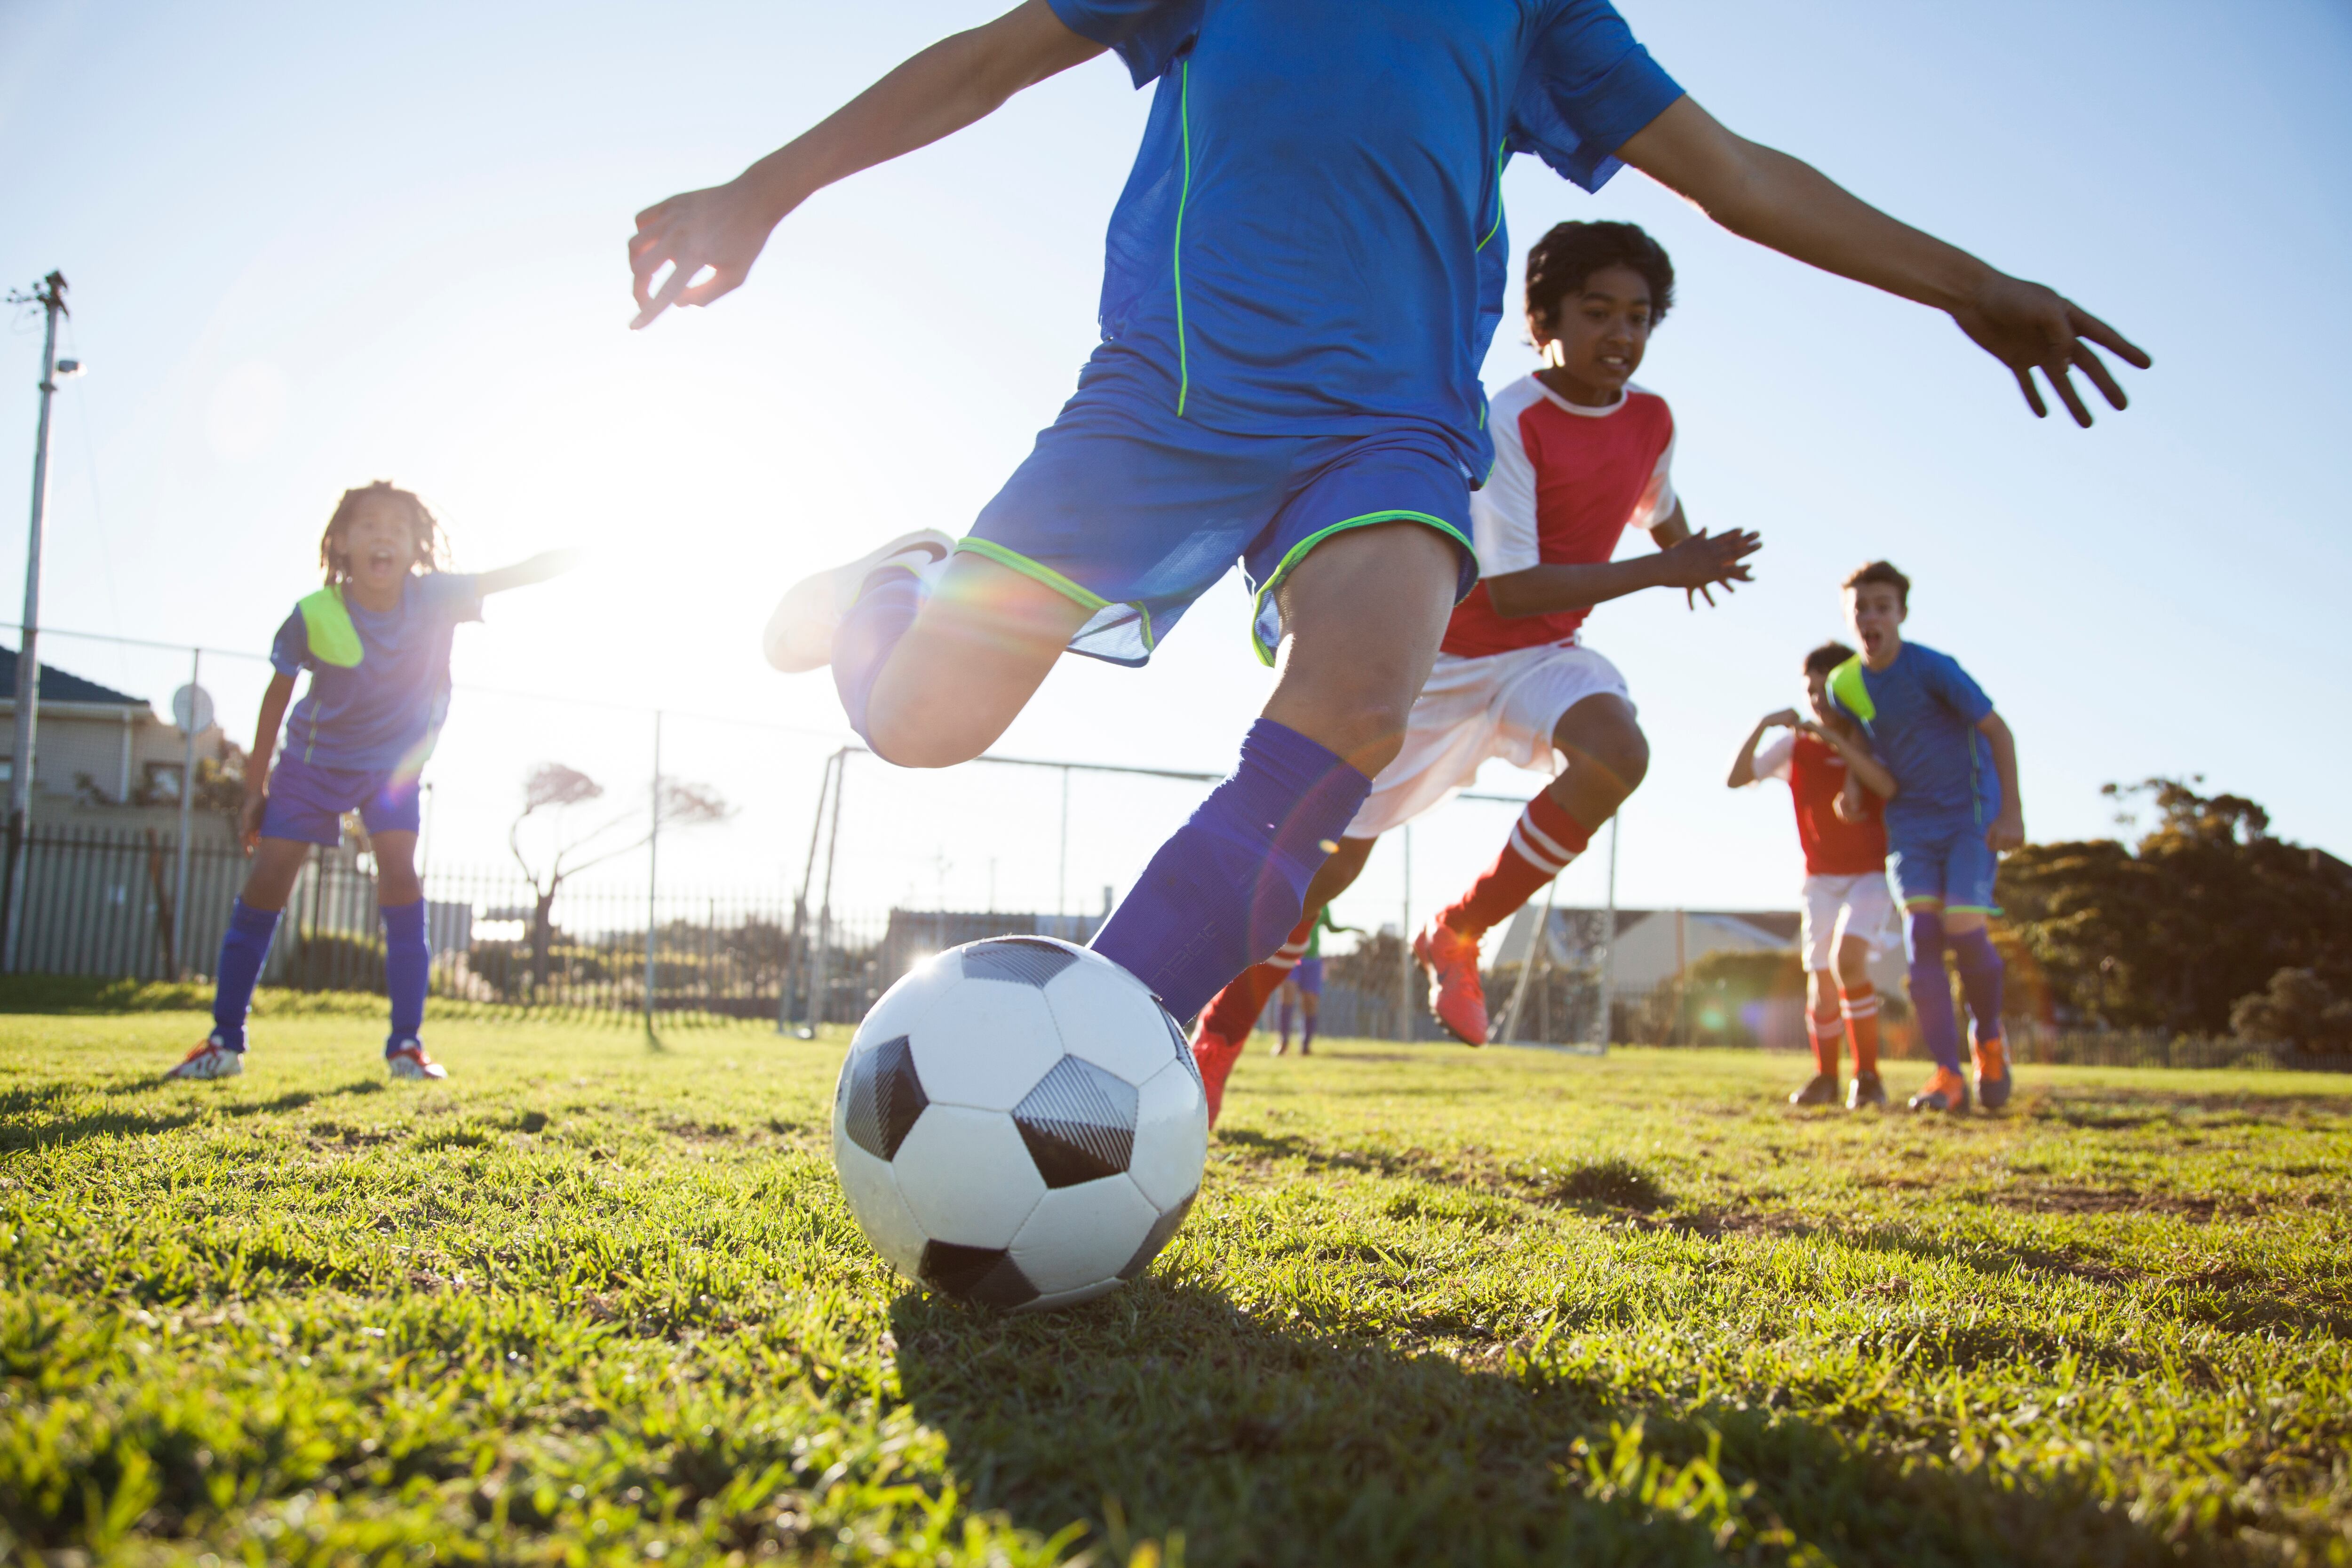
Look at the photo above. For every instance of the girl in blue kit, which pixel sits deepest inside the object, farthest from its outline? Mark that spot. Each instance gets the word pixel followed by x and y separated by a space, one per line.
pixel 376 642
pixel 1300 283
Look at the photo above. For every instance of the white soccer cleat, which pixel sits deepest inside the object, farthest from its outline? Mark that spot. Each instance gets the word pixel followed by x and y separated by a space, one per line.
pixel 211 1059
pixel 408 1060
pixel 800 633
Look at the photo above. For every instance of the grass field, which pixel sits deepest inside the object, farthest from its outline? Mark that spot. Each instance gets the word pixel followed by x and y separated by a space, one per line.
pixel 592 1301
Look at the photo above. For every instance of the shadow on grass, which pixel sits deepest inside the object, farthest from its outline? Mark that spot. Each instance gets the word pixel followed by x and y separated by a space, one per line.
pixel 1163 1410
pixel 17 1104
pixel 1610 1184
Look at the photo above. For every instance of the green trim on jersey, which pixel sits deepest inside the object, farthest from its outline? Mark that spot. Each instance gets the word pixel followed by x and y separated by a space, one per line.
pixel 326 622
pixel 1176 250
pixel 1852 693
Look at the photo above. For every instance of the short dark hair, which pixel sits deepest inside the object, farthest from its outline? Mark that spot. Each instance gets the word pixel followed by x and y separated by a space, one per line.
pixel 1563 261
pixel 1827 657
pixel 1881 572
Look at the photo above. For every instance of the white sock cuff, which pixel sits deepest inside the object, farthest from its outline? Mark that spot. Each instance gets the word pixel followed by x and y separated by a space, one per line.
pixel 1532 845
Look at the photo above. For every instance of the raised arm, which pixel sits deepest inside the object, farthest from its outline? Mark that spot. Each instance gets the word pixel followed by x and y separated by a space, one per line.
pixel 1743 766
pixel 964 78
pixel 274 700
pixel 1776 200
pixel 1693 561
pixel 2008 829
pixel 523 573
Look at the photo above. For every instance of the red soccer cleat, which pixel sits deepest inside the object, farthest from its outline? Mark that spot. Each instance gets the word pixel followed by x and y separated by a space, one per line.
pixel 1456 993
pixel 1946 1090
pixel 1214 1055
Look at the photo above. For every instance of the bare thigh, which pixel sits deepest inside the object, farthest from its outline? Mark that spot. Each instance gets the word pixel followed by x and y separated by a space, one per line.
pixel 395 869
pixel 1362 618
pixel 1607 757
pixel 983 643
pixel 276 862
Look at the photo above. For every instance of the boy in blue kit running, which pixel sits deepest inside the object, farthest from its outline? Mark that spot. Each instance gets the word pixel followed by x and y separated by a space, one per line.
pixel 376 642
pixel 1301 279
pixel 1954 809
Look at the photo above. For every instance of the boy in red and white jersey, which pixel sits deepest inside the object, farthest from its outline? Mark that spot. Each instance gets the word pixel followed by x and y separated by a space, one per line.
pixel 1837 785
pixel 1581 457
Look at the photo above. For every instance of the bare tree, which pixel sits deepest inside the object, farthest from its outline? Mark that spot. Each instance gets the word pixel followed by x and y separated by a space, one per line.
pixel 554 789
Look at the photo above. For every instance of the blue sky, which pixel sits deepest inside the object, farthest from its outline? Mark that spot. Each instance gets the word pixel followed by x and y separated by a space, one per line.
pixel 314 245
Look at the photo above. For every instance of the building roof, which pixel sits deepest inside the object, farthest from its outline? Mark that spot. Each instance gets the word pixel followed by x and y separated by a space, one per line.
pixel 62 686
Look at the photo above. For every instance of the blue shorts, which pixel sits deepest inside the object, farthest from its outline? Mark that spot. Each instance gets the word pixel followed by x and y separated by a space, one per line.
pixel 1954 864
pixel 1135 513
pixel 1308 976
pixel 306 803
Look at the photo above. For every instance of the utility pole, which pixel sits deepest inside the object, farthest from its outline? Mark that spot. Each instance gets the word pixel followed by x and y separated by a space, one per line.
pixel 51 295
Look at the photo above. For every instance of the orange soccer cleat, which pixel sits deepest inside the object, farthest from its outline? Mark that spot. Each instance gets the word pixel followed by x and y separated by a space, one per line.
pixel 1456 993
pixel 1946 1090
pixel 1992 1073
pixel 1214 1055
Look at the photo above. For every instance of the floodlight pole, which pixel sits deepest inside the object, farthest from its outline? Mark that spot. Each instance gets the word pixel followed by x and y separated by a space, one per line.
pixel 51 295
pixel 653 875
pixel 187 804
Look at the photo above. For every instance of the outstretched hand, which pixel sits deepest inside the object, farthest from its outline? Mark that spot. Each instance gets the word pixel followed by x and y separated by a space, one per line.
pixel 1705 560
pixel 709 240
pixel 2028 327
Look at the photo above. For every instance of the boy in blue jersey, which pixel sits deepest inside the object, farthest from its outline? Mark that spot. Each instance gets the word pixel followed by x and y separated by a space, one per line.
pixel 375 641
pixel 1953 810
pixel 1301 279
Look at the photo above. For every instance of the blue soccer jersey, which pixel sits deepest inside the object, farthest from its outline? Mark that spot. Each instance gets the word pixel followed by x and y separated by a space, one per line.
pixel 1311 242
pixel 380 715
pixel 1921 714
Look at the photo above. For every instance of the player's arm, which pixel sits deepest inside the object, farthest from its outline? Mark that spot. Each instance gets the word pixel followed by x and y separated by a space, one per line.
pixel 274 700
pixel 1693 560
pixel 2008 829
pixel 1743 766
pixel 1773 199
pixel 958 80
pixel 523 573
pixel 1863 767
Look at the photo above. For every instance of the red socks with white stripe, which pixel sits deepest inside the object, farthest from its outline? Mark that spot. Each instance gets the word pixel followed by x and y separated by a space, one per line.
pixel 1860 1006
pixel 1234 1013
pixel 1542 843
pixel 1827 1036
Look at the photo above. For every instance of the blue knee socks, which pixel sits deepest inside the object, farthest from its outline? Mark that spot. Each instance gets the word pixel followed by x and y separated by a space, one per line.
pixel 407 968
pixel 885 607
pixel 1981 975
pixel 1225 892
pixel 1931 990
pixel 1284 1012
pixel 1306 1030
pixel 243 952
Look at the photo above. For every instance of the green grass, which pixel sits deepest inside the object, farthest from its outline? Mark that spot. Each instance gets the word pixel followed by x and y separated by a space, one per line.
pixel 594 1301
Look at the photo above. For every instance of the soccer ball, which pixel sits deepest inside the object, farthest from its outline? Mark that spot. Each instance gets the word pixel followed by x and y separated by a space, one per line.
pixel 1020 1123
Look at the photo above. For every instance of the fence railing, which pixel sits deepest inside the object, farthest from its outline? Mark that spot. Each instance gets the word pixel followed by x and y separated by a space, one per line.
pixel 99 903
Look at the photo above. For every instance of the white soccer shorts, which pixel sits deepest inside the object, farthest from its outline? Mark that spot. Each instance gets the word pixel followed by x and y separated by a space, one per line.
pixel 1502 705
pixel 1837 908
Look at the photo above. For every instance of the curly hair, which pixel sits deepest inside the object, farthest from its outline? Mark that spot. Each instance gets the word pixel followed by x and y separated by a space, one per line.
pixel 431 544
pixel 1564 259
pixel 1826 657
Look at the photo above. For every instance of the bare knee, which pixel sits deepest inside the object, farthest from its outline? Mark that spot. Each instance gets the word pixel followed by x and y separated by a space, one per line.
pixel 1853 964
pixel 920 744
pixel 1608 755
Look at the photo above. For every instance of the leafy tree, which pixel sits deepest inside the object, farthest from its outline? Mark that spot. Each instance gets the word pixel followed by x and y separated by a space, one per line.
pixel 2172 934
pixel 2299 1008
pixel 550 791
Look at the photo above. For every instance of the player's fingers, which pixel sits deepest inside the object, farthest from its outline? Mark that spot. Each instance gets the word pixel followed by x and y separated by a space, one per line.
pixel 2064 385
pixel 663 300
pixel 2089 326
pixel 720 280
pixel 2032 393
pixel 2092 365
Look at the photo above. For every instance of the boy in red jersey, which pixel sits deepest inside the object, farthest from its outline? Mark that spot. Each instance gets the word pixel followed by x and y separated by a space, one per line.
pixel 1849 915
pixel 1581 457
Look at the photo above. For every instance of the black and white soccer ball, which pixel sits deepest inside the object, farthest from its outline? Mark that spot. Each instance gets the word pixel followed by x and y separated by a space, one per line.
pixel 1020 1123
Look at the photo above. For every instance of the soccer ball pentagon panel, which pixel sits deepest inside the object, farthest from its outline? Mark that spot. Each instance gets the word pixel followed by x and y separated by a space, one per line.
pixel 1019 1123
